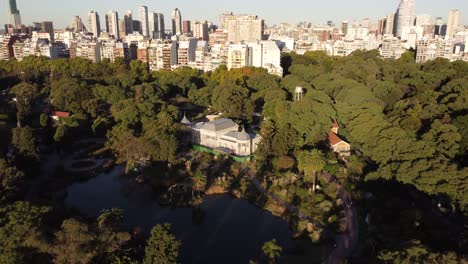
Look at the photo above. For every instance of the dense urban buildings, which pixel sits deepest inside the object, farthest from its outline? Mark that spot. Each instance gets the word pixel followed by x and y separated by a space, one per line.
pixel 237 40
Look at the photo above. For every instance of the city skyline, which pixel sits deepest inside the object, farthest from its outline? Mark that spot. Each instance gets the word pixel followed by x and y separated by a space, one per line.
pixel 204 9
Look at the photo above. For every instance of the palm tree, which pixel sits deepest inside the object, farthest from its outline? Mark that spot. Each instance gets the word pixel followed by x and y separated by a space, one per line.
pixel 110 219
pixel 310 162
pixel 198 181
pixel 271 250
pixel 317 163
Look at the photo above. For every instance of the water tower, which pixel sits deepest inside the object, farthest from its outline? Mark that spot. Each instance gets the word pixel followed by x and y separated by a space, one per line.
pixel 298 93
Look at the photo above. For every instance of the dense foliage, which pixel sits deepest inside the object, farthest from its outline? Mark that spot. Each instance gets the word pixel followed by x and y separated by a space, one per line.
pixel 407 123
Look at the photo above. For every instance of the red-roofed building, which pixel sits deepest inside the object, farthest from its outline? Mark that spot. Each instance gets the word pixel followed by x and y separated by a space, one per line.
pixel 337 144
pixel 57 115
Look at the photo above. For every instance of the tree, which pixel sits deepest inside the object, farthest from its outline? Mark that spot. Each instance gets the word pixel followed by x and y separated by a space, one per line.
pixel 415 252
pixel 24 144
pixel 77 243
pixel 11 181
pixel 110 219
pixel 271 250
pixel 70 94
pixel 233 100
pixel 19 222
pixel 162 246
pixel 43 119
pixel 25 94
pixel 310 162
pixel 198 181
pixel 60 133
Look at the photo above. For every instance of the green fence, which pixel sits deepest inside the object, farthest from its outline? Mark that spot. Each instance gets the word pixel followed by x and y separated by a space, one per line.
pixel 219 153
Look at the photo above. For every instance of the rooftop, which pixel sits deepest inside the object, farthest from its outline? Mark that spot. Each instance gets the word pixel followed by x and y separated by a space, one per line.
pixel 333 138
pixel 61 114
pixel 219 124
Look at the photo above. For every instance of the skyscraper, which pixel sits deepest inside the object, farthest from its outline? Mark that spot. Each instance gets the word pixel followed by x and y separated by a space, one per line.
pixel 404 16
pixel 48 27
pixel 15 17
pixel 160 32
pixel 152 23
pixel 176 22
pixel 112 24
pixel 200 30
pixel 94 23
pixel 143 14
pixel 452 24
pixel 223 19
pixel 187 27
pixel 77 24
pixel 128 23
pixel 390 24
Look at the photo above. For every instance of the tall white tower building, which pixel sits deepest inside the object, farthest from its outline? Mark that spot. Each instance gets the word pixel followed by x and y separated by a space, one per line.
pixel 452 24
pixel 404 16
pixel 94 24
pixel 143 14
pixel 112 24
pixel 176 22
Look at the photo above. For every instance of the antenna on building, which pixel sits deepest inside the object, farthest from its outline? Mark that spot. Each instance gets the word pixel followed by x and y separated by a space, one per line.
pixel 298 93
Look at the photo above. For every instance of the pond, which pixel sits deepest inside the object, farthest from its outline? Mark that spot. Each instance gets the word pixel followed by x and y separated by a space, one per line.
pixel 232 230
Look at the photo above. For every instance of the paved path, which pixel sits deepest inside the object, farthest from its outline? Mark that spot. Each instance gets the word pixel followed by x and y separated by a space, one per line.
pixel 345 242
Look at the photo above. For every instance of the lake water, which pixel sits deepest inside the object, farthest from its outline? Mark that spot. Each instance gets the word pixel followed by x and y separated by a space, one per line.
pixel 232 230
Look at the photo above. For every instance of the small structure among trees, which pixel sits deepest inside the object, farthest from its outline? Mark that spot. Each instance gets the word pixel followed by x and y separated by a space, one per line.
pixel 337 144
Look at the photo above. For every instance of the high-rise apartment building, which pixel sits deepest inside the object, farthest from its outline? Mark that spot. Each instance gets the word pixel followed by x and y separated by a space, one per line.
pixel 187 27
pixel 247 28
pixel 223 20
pixel 48 27
pixel 128 18
pixel 239 55
pixel 156 25
pixel 14 14
pixel 390 24
pixel 143 14
pixel 77 24
pixel 452 24
pixel 160 32
pixel 404 16
pixel 94 25
pixel 344 27
pixel 200 30
pixel 153 23
pixel 176 22
pixel 112 24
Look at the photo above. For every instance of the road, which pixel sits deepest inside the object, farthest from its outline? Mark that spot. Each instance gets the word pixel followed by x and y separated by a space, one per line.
pixel 345 242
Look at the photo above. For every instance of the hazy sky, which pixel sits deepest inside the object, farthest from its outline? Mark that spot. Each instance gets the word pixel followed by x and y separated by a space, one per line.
pixel 273 11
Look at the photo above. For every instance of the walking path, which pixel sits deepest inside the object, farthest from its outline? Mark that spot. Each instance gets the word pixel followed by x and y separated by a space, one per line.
pixel 345 242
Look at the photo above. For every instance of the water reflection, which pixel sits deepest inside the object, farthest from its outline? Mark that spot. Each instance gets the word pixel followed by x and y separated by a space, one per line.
pixel 222 230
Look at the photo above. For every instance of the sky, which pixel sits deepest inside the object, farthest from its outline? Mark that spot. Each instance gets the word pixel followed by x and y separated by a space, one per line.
pixel 61 12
